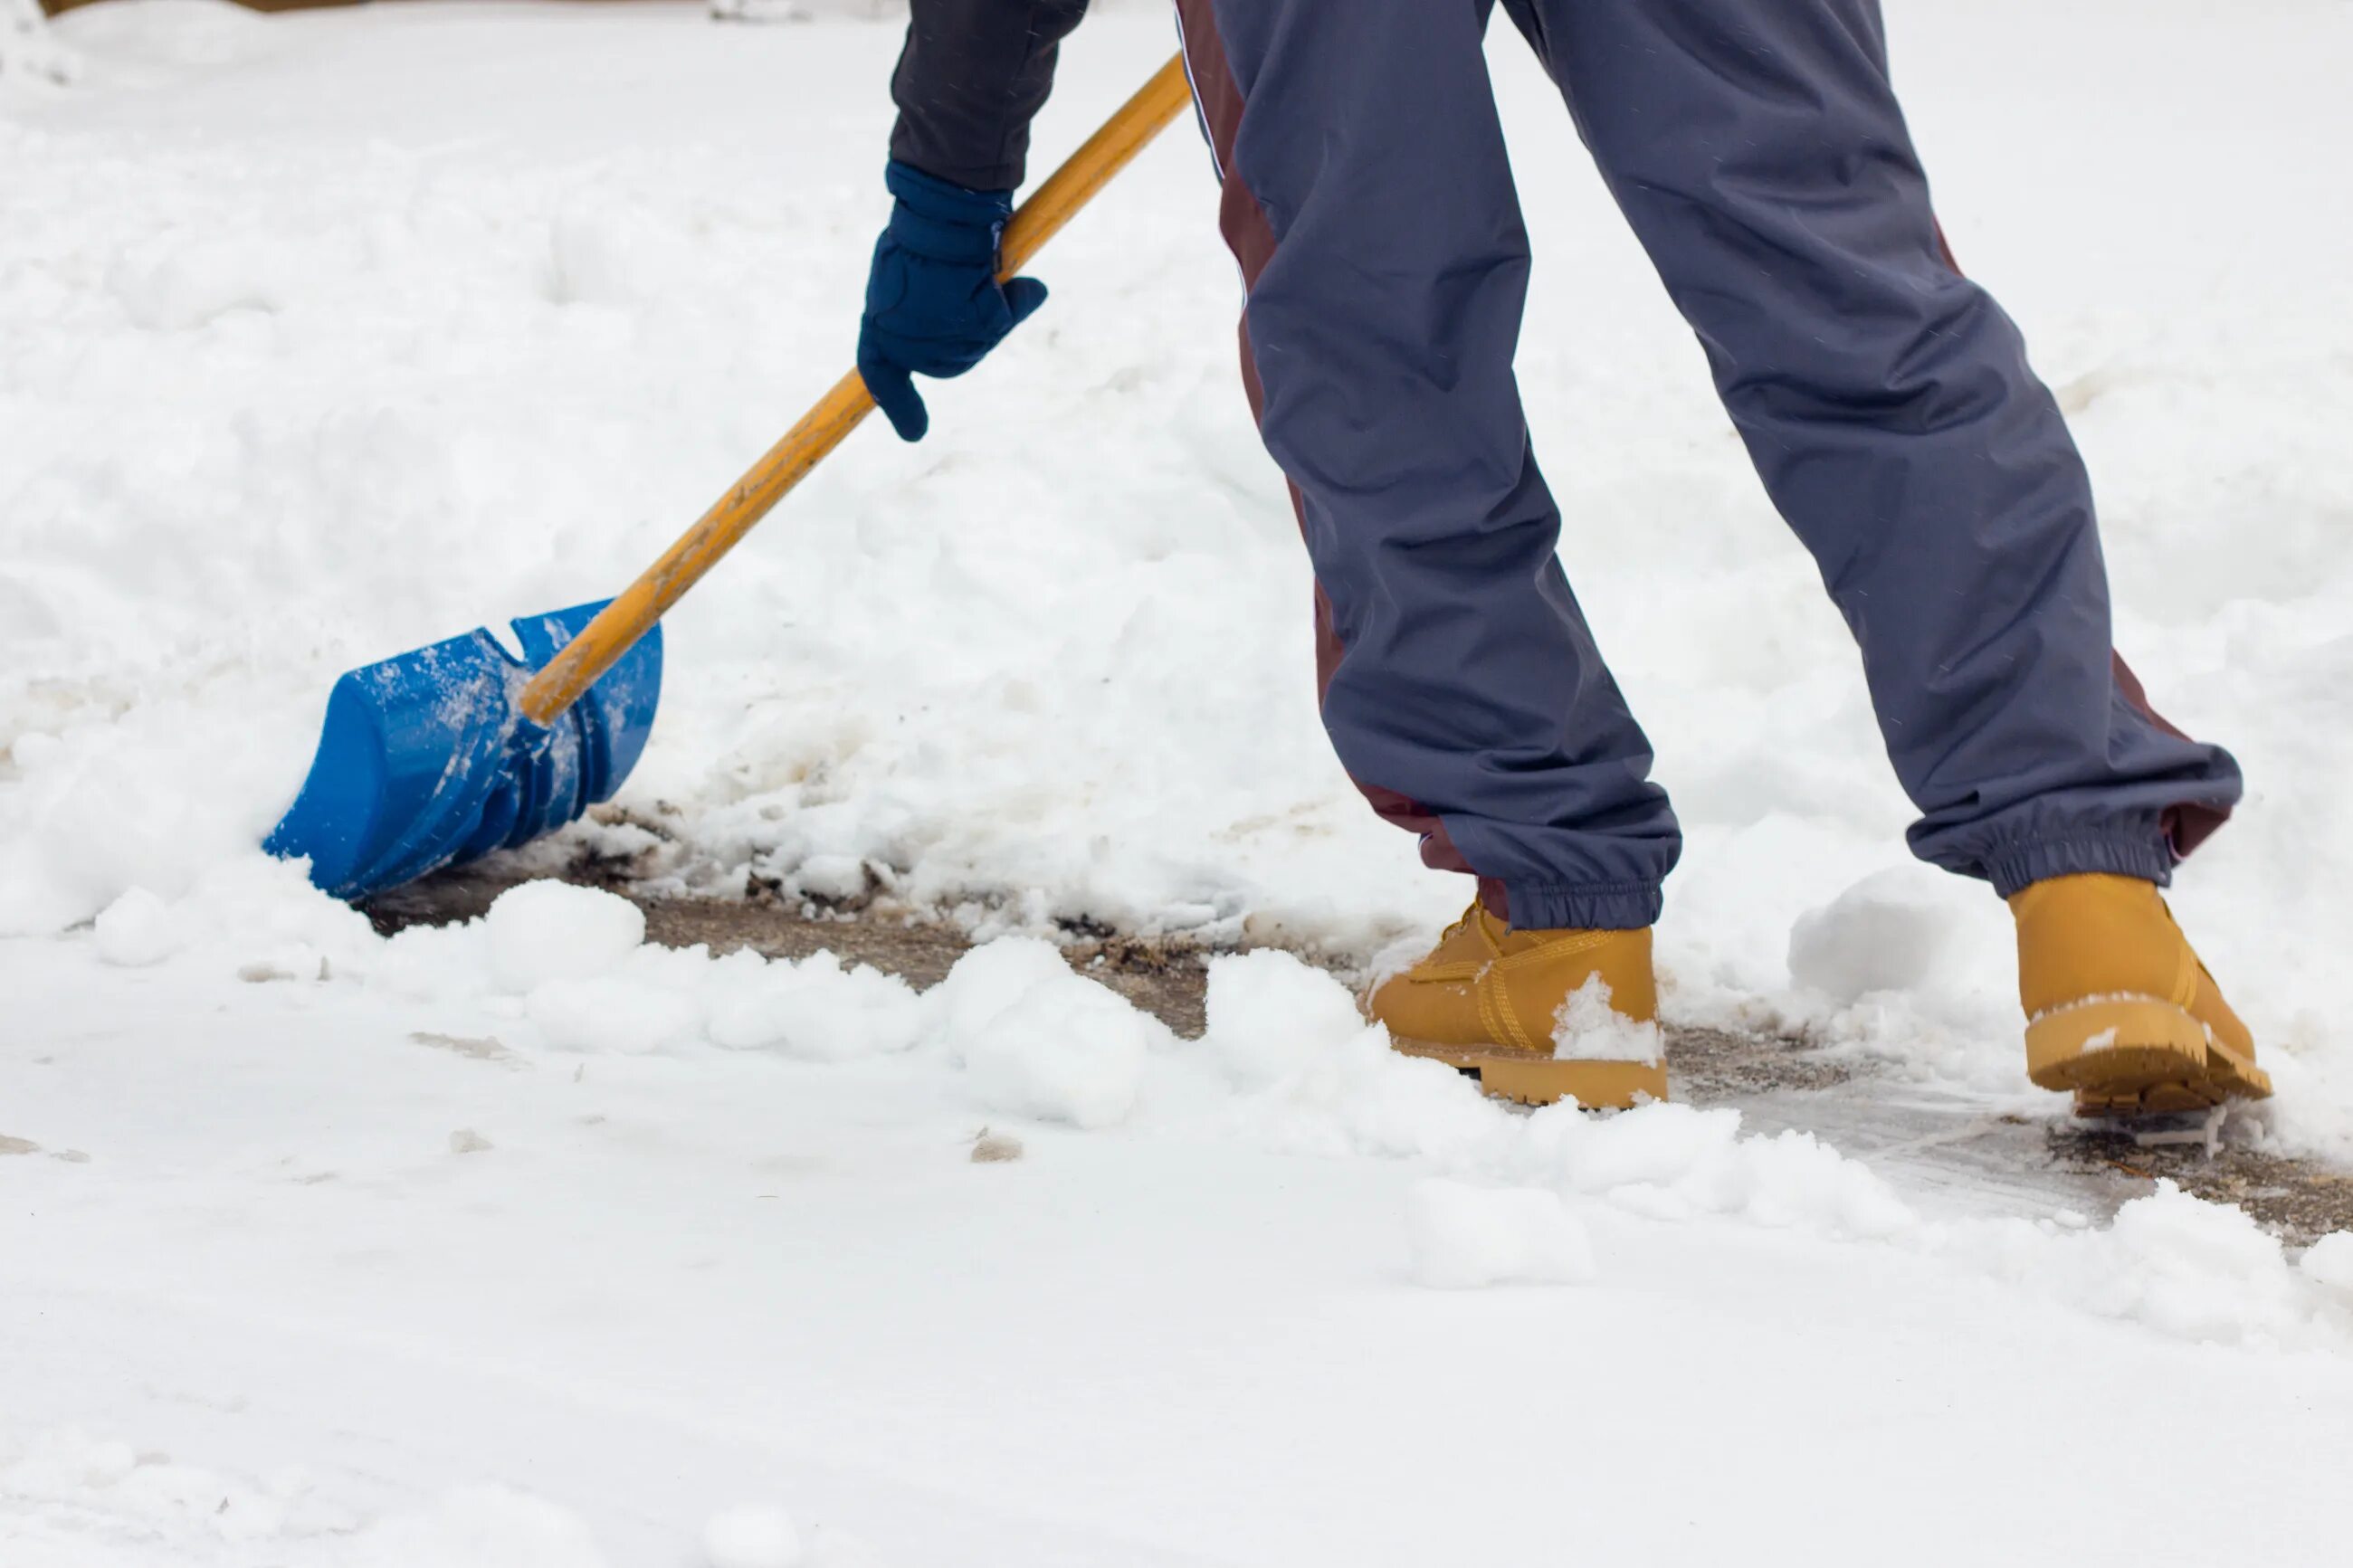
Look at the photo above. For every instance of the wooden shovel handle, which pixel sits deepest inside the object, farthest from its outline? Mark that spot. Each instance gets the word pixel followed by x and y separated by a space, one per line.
pixel 644 601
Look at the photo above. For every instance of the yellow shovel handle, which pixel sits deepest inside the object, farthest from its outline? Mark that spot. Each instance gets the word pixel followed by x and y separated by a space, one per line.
pixel 620 624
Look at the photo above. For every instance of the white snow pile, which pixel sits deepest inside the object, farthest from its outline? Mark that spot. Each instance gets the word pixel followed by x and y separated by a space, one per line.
pixel 1027 1037
pixel 1032 1039
pixel 2194 1270
pixel 1286 1065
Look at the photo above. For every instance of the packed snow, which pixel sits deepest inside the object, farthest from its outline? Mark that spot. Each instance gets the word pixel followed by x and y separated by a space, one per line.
pixel 1589 1029
pixel 528 1244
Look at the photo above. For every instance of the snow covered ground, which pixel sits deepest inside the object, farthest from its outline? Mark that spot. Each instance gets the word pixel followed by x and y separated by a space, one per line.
pixel 323 336
pixel 25 46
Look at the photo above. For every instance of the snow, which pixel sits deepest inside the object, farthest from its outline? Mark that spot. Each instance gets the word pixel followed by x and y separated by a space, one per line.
pixel 751 1536
pixel 63 1481
pixel 1895 930
pixel 1464 1237
pixel 1587 1028
pixel 814 1009
pixel 610 1015
pixel 136 930
pixel 324 342
pixel 544 932
pixel 27 47
pixel 1035 1040
pixel 530 1243
pixel 1068 1051
pixel 2329 1260
pixel 1270 1014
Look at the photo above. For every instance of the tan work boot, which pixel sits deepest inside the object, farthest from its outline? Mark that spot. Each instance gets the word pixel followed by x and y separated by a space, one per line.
pixel 2118 1006
pixel 1489 1000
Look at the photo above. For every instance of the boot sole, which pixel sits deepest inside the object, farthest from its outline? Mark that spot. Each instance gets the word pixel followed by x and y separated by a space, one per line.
pixel 2137 1055
pixel 1547 1080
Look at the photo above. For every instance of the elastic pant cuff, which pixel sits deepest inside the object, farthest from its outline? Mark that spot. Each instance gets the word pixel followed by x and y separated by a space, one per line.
pixel 2016 866
pixel 1593 905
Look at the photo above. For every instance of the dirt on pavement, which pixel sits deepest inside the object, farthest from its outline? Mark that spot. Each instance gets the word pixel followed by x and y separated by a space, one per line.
pixel 1168 977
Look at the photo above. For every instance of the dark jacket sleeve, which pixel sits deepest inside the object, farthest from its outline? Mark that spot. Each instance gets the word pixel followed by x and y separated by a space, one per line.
pixel 972 75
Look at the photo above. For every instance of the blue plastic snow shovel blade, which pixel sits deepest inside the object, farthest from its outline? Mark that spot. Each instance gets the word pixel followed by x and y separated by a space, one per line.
pixel 426 761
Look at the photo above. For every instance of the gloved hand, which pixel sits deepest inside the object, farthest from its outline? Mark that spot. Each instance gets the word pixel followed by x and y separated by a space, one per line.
pixel 933 306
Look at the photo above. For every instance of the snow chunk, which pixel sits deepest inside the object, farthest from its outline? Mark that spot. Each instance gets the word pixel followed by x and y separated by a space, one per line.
pixel 478 1527
pixel 2188 1268
pixel 986 981
pixel 2191 1264
pixel 137 930
pixel 1270 1015
pixel 751 1536
pixel 1064 1049
pixel 815 1009
pixel 1891 931
pixel 1586 1028
pixel 1464 1237
pixel 2329 1261
pixel 552 930
pixel 1650 1146
pixel 1672 1162
pixel 1795 1179
pixel 1363 1098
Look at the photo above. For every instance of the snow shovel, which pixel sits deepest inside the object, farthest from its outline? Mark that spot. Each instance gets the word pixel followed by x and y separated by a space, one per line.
pixel 442 755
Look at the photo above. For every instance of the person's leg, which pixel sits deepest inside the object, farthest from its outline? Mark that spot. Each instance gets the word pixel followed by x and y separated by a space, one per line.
pixel 1758 151
pixel 1368 198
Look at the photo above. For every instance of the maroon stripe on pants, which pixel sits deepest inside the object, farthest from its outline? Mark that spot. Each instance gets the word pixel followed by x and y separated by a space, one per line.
pixel 2187 825
pixel 1243 222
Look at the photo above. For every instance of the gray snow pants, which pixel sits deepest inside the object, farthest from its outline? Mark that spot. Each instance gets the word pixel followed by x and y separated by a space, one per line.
pixel 1759 152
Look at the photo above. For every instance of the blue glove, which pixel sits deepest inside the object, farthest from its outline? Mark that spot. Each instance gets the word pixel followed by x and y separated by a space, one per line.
pixel 933 306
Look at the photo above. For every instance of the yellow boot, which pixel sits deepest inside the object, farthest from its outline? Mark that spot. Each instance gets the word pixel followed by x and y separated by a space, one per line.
pixel 2118 1006
pixel 1488 999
